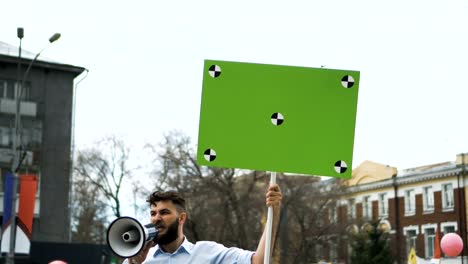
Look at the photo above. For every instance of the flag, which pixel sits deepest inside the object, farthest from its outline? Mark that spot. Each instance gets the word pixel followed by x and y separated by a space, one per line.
pixel 7 211
pixel 27 200
pixel 412 256
pixel 437 252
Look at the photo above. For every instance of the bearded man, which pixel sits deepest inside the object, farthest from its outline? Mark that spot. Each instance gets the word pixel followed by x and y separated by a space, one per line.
pixel 169 216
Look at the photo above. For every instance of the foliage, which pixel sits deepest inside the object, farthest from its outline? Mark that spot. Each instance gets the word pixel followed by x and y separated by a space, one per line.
pixel 371 245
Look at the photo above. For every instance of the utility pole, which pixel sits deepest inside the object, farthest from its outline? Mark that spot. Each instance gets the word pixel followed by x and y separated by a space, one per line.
pixel 18 153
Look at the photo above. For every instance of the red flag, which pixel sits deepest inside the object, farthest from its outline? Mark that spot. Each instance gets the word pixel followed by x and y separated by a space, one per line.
pixel 27 200
pixel 437 254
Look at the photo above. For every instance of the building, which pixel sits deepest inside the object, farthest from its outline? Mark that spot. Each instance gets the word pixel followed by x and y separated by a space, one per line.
pixel 46 127
pixel 411 204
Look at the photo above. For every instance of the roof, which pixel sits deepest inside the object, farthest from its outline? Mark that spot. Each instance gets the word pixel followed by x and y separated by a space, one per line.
pixel 370 171
pixel 9 53
pixel 10 50
pixel 437 167
pixel 413 175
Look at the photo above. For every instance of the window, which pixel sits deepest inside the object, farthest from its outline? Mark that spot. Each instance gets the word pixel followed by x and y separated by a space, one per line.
pixel 9 90
pixel 351 208
pixel 333 250
pixel 447 196
pixel 5 135
pixel 31 135
pixel 320 218
pixel 367 207
pixel 318 251
pixel 411 236
pixel 428 199
pixel 429 240
pixel 332 214
pixel 3 87
pixel 448 229
pixel 25 91
pixel 383 204
pixel 410 201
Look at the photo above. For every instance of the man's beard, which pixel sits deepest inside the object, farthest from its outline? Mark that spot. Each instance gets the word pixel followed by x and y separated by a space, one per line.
pixel 170 235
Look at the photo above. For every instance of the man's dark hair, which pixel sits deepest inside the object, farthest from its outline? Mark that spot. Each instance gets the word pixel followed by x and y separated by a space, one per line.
pixel 172 196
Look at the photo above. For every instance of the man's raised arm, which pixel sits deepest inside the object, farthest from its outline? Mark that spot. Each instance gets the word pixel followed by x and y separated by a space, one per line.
pixel 273 198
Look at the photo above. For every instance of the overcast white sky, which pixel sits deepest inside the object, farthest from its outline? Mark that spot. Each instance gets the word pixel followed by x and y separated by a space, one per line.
pixel 145 59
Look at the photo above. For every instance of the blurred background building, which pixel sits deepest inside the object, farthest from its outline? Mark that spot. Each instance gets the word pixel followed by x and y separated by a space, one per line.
pixel 46 126
pixel 411 204
pixel 46 112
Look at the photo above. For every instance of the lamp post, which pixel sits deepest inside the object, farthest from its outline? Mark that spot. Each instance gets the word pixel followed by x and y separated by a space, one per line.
pixel 17 141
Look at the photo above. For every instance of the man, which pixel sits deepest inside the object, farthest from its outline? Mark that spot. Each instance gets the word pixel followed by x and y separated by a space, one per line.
pixel 169 215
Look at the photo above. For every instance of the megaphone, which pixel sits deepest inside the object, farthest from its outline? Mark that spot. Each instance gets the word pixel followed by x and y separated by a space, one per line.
pixel 126 236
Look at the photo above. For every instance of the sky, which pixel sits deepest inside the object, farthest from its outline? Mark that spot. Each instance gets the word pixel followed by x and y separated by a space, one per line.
pixel 145 61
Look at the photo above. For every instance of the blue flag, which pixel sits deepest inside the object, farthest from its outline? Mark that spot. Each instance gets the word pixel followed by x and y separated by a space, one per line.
pixel 7 211
pixel 7 200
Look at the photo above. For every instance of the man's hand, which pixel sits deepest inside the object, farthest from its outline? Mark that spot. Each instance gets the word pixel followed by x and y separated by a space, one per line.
pixel 273 197
pixel 140 258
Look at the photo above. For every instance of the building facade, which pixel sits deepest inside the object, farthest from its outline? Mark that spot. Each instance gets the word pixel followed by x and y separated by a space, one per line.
pixel 411 204
pixel 46 111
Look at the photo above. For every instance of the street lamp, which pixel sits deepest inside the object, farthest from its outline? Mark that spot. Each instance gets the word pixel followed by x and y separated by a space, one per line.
pixel 17 155
pixel 19 93
pixel 52 39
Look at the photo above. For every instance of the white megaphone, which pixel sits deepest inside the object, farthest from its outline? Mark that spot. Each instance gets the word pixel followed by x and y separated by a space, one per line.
pixel 126 236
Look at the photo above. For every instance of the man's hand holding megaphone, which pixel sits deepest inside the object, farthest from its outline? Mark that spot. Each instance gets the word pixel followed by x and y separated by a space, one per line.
pixel 140 258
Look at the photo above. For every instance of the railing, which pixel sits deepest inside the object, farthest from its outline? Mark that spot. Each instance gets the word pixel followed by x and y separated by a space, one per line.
pixel 6 156
pixel 8 106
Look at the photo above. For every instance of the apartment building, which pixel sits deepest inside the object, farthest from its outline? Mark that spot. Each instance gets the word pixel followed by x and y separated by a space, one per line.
pixel 46 106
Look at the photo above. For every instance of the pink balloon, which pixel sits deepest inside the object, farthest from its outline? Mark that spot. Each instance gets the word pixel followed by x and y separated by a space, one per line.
pixel 57 262
pixel 451 244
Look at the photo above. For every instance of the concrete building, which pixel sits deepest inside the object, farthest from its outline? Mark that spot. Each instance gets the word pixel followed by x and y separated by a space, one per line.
pixel 46 120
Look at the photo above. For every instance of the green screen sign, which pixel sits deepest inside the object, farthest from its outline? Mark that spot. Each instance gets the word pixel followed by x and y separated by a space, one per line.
pixel 278 118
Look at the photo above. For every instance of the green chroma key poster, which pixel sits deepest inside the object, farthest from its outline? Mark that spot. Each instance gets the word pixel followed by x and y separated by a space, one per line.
pixel 278 118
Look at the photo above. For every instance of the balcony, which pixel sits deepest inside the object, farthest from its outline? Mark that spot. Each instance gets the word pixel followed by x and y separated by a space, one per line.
pixel 8 106
pixel 6 156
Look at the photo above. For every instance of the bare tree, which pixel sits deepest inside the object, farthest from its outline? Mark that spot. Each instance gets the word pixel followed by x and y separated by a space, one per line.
pixel 228 206
pixel 223 204
pixel 89 212
pixel 106 166
pixel 307 206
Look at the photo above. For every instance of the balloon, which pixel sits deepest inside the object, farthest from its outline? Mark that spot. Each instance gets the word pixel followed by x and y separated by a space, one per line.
pixel 57 262
pixel 451 244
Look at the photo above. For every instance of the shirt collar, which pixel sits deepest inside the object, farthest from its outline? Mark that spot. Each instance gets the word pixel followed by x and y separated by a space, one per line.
pixel 186 246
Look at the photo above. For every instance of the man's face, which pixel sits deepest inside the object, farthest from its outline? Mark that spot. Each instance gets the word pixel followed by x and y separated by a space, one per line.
pixel 165 217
